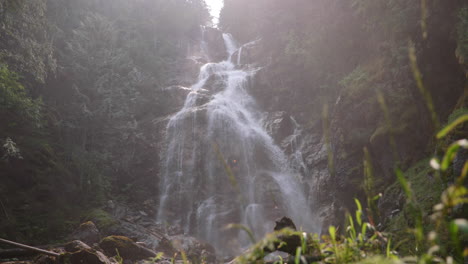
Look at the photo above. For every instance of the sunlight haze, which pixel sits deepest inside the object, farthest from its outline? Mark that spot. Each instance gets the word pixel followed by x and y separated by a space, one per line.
pixel 215 7
pixel 233 131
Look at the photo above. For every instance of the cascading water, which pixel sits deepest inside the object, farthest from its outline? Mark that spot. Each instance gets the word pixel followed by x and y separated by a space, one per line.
pixel 222 166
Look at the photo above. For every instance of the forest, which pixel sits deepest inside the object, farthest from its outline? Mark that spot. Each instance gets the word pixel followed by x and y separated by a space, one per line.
pixel 277 131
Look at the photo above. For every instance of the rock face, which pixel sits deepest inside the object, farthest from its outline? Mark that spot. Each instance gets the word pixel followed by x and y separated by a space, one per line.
pixel 357 121
pixel 214 44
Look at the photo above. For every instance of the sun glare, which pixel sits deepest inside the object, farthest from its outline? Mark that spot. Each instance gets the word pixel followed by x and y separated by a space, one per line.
pixel 215 7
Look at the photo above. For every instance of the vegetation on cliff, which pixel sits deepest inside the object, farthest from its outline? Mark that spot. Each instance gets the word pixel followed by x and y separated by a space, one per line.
pixel 78 91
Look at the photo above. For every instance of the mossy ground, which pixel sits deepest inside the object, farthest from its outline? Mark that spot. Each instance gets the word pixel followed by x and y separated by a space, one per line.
pixel 102 219
pixel 427 188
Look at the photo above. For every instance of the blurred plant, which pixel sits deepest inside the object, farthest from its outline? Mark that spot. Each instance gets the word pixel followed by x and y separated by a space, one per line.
pixel 11 151
pixel 362 242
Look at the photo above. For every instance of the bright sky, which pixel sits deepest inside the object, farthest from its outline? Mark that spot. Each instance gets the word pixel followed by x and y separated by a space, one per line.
pixel 215 7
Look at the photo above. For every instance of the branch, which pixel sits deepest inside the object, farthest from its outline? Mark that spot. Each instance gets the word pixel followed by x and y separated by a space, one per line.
pixel 50 253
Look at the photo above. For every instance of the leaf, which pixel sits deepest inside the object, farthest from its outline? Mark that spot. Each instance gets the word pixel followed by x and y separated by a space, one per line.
pixel 462 177
pixel 351 228
pixel 388 251
pixel 297 259
pixel 452 152
pixel 364 228
pixel 332 231
pixel 358 212
pixel 358 204
pixel 452 125
pixel 404 184
pixel 453 228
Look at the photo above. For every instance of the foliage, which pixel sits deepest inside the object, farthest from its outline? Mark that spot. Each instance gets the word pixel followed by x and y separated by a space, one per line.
pixel 26 46
pixel 17 109
pixel 96 68
pixel 438 240
pixel 103 220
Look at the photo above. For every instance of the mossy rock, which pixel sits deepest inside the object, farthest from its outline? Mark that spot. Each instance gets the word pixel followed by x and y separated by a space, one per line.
pixel 87 232
pixel 125 248
pixel 103 220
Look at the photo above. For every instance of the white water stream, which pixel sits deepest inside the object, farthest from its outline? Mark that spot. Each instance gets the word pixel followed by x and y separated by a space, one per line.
pixel 218 127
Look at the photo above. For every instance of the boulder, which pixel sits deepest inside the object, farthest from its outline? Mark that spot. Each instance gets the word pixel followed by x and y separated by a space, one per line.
pixel 76 245
pixel 83 256
pixel 125 247
pixel 87 232
pixel 289 243
pixel 284 222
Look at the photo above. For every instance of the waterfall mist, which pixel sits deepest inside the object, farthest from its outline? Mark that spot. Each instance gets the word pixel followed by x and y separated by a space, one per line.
pixel 221 165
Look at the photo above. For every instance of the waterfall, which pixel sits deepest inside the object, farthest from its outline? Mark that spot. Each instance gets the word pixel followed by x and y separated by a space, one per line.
pixel 222 167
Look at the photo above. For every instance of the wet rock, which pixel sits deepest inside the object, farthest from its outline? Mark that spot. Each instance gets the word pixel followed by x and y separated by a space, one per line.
pixel 137 222
pixel 126 248
pixel 149 207
pixel 195 249
pixel 175 230
pixel 279 125
pixel 250 53
pixel 87 232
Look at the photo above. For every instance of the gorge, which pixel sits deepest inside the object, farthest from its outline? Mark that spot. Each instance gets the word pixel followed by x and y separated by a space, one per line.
pixel 142 120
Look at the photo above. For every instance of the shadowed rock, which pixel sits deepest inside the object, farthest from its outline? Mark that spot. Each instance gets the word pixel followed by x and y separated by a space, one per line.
pixel 125 247
pixel 87 256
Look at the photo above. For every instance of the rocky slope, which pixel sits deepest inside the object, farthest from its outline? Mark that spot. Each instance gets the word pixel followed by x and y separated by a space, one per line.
pixel 378 108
